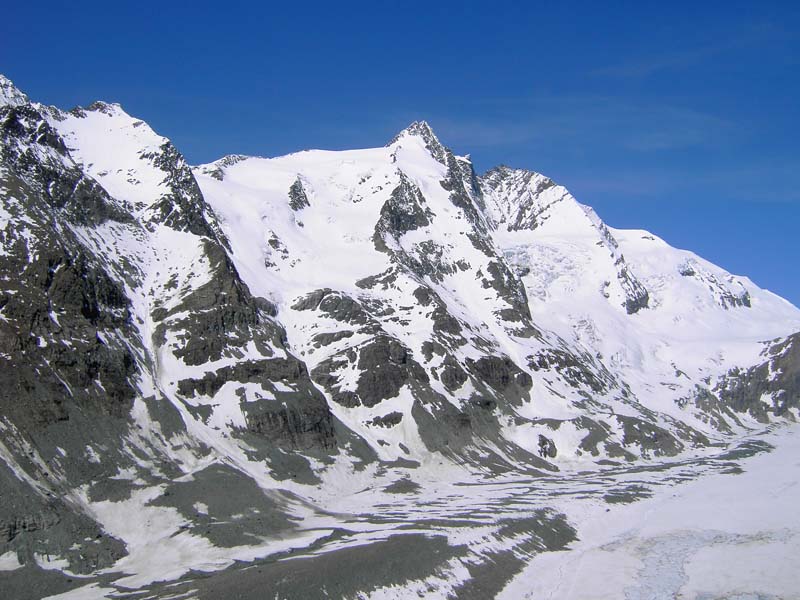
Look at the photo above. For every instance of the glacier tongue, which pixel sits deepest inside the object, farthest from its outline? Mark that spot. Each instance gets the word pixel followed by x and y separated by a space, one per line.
pixel 236 351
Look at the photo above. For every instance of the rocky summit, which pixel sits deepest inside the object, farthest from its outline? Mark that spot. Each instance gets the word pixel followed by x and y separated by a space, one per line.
pixel 366 373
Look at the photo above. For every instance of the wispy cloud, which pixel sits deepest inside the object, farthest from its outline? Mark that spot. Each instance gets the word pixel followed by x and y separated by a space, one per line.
pixel 607 146
pixel 683 58
pixel 767 183
pixel 590 122
pixel 674 60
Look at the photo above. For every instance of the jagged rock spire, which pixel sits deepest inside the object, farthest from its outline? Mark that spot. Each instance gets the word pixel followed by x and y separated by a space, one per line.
pixel 9 94
pixel 423 130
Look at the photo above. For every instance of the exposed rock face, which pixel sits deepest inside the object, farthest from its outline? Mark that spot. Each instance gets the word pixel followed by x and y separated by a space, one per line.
pixel 529 212
pixel 88 320
pixel 298 198
pixel 404 211
pixel 547 448
pixel 422 130
pixel 729 294
pixel 66 329
pixel 578 371
pixel 66 340
pixel 771 388
pixel 181 206
pixel 35 523
pixel 386 366
pixel 527 201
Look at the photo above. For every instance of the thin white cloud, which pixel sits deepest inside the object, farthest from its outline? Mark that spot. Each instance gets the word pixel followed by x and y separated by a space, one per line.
pixel 591 121
pixel 683 58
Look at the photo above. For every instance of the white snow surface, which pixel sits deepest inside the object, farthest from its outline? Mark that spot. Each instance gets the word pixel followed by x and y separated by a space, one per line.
pixel 9 561
pixel 111 146
pixel 720 536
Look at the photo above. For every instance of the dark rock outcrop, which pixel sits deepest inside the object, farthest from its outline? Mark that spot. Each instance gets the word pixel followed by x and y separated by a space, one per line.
pixel 298 199
pixel 768 389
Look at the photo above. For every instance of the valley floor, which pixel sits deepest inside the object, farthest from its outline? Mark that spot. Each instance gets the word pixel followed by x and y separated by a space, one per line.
pixel 726 535
pixel 720 525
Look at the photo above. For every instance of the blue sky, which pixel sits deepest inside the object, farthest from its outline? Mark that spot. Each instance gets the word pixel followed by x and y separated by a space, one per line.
pixel 682 119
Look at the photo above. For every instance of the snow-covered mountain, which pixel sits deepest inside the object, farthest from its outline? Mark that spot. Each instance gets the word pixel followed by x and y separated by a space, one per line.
pixel 227 349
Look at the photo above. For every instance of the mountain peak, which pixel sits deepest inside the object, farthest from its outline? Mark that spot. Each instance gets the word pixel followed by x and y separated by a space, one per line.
pixel 107 108
pixel 423 130
pixel 10 94
pixel 417 128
